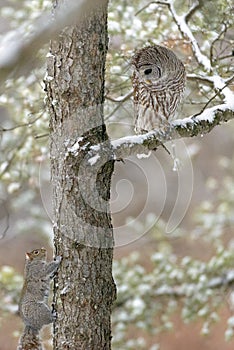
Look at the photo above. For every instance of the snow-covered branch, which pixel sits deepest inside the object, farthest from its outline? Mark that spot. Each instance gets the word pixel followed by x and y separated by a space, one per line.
pixel 181 22
pixel 198 124
pixel 183 27
pixel 188 127
pixel 187 289
pixel 17 52
pixel 192 10
pixel 182 291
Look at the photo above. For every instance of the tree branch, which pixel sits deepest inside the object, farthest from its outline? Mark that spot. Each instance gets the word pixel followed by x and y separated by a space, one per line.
pixel 17 53
pixel 192 10
pixel 120 98
pixel 152 2
pixel 188 127
pixel 182 25
pixel 20 125
pixel 223 31
pixel 203 79
pixel 186 289
pixel 3 233
pixel 226 280
pixel 195 125
pixel 181 22
pixel 220 86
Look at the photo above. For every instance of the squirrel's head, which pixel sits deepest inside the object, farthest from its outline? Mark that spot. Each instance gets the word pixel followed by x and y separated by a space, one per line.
pixel 36 254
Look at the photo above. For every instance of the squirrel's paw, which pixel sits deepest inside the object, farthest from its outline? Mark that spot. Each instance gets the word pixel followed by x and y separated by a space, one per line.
pixel 54 315
pixel 58 259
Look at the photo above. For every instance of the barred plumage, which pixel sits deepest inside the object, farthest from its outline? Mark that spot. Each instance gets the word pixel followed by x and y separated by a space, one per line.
pixel 158 82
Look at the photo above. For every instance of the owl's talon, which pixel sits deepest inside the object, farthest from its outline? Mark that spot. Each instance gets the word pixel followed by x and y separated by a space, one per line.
pixel 166 149
pixel 120 160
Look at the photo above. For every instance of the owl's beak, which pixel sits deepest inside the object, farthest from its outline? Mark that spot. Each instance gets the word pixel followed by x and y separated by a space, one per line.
pixel 148 81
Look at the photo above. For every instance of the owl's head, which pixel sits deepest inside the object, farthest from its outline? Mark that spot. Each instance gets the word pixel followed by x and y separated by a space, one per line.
pixel 153 63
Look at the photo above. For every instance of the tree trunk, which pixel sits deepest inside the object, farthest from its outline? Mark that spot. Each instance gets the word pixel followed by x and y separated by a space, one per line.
pixel 81 179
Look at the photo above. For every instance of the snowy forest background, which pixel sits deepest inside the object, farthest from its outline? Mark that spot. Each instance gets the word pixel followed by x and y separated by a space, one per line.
pixel 173 230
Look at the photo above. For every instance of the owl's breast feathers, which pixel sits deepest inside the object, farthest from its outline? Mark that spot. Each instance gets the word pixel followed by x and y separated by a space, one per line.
pixel 156 99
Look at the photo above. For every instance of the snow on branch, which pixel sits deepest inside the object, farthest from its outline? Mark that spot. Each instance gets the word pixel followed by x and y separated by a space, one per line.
pixel 182 24
pixel 184 290
pixel 192 10
pixel 17 52
pixel 195 125
pixel 187 289
pixel 192 126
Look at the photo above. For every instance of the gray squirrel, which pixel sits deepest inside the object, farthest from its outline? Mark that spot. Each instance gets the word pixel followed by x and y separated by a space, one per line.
pixel 33 304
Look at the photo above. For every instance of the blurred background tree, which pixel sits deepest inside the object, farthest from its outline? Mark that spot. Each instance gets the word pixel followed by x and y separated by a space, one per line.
pixel 161 277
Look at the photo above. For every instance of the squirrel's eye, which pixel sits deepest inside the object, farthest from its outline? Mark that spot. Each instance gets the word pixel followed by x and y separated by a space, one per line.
pixel 148 71
pixel 36 252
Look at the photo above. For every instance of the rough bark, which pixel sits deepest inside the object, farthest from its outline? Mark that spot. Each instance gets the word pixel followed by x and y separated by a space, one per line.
pixel 83 234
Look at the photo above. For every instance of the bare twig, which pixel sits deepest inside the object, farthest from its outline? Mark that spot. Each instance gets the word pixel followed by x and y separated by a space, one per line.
pixel 225 57
pixel 13 156
pixel 120 98
pixel 113 111
pixel 41 136
pixel 150 3
pixel 192 10
pixel 223 31
pixel 20 125
pixel 3 233
pixel 213 97
pixel 204 79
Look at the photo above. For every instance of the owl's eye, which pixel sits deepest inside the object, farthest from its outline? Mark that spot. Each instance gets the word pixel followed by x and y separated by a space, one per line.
pixel 148 71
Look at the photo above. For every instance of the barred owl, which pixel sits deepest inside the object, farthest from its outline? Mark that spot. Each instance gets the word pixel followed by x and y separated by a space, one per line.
pixel 158 82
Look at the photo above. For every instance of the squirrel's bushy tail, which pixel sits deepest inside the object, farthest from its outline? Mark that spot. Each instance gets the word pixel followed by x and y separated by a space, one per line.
pixel 30 340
